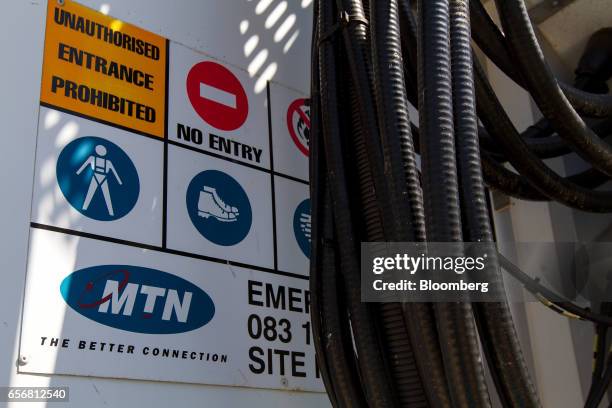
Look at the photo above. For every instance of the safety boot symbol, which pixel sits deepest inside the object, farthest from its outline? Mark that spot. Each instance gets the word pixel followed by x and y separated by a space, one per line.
pixel 211 205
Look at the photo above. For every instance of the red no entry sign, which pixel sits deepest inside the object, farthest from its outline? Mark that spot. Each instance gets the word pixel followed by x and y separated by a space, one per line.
pixel 298 123
pixel 217 95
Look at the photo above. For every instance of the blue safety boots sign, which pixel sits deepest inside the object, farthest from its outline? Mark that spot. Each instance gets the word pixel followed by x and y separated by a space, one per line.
pixel 219 207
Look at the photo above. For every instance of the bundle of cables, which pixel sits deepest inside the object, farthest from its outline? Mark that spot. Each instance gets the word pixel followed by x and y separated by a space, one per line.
pixel 371 60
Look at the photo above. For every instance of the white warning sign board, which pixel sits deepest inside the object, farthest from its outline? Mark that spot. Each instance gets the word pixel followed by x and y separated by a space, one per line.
pixel 175 254
pixel 213 107
pixel 290 118
pixel 167 317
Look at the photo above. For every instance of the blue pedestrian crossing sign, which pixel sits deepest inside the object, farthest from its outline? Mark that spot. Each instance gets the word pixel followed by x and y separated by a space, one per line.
pixel 219 208
pixel 302 226
pixel 98 178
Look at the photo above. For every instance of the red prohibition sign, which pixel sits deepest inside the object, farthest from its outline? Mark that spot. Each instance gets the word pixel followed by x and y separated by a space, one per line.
pixel 217 95
pixel 298 123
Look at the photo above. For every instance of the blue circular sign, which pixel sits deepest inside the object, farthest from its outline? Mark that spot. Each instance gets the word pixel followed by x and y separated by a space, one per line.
pixel 219 208
pixel 97 178
pixel 301 226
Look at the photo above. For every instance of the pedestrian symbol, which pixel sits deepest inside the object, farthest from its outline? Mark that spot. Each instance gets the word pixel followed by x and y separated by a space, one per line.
pixel 302 226
pixel 97 178
pixel 219 208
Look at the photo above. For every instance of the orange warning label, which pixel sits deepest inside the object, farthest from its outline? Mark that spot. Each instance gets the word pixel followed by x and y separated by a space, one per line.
pixel 103 68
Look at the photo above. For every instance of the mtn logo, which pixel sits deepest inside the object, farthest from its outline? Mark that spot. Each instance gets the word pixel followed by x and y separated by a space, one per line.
pixel 137 299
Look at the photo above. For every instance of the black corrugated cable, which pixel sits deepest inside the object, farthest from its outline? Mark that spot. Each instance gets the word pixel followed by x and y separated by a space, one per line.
pixel 336 329
pixel 371 151
pixel 548 147
pixel 599 351
pixel 497 177
pixel 317 190
pixel 322 299
pixel 593 70
pixel 495 321
pixel 545 89
pixel 393 337
pixel 500 323
pixel 489 38
pixel 515 185
pixel 408 33
pixel 538 174
pixel 595 66
pixel 500 178
pixel 357 46
pixel 492 42
pixel 438 164
pixel 370 227
pixel 536 136
pixel 403 180
pixel 599 354
pixel 457 334
pixel 375 378
pixel 400 169
pixel 474 210
pixel 543 293
pixel 545 148
pixel 539 129
pixel 597 393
